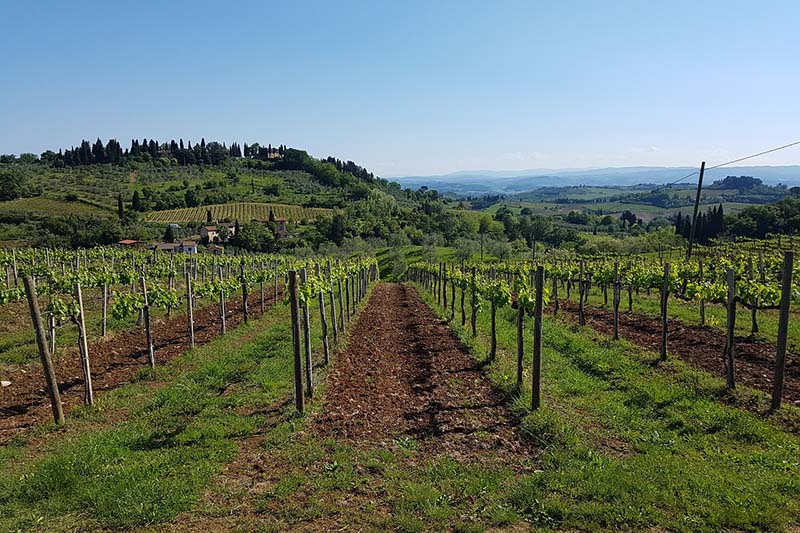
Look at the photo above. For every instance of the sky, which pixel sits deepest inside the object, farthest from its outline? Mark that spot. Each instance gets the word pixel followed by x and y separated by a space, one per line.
pixel 411 88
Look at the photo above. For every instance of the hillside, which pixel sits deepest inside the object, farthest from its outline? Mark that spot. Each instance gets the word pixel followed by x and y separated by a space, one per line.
pixel 99 193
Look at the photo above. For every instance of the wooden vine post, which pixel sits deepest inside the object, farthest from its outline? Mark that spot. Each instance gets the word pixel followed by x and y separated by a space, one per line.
pixel 307 338
pixel 783 329
pixel 323 321
pixel 83 348
pixel 444 284
pixel 702 300
pixel 189 309
pixel 277 275
pixel 44 352
pixel 347 296
pixel 520 344
pixel 151 356
pixel 463 290
pixel 222 323
pixel 555 297
pixel 474 301
pixel 334 322
pixel 342 314
pixel 729 354
pixel 664 321
pixel 294 306
pixel 581 291
pixel 616 300
pixel 243 281
pixel 493 320
pixel 452 298
pixel 538 310
pixel 104 322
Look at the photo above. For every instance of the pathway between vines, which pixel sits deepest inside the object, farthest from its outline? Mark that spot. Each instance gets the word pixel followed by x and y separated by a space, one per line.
pixel 406 375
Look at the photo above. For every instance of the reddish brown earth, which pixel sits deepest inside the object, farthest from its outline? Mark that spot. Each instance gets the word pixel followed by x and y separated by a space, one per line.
pixel 406 375
pixel 702 347
pixel 114 362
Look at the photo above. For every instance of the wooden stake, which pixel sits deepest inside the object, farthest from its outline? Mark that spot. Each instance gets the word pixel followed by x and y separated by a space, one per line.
pixel 44 352
pixel 307 339
pixel 538 311
pixel 324 322
pixel 616 300
pixel 294 305
pixel 729 353
pixel 664 321
pixel 783 330
pixel 189 308
pixel 151 357
pixel 83 348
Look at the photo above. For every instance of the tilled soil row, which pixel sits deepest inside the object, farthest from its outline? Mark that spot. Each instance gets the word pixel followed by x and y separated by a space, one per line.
pixel 114 362
pixel 406 375
pixel 702 347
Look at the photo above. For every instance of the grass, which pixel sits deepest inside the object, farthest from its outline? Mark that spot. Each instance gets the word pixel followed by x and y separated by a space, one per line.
pixel 147 450
pixel 632 446
pixel 626 445
pixel 689 313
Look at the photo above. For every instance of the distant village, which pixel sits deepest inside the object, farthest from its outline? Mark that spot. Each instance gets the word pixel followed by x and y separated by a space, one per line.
pixel 211 239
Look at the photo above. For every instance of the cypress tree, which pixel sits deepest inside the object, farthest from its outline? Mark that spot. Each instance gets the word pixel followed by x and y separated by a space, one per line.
pixel 169 234
pixel 136 202
pixel 120 207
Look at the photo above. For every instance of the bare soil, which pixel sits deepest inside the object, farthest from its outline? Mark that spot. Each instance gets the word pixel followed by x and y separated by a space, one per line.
pixel 702 347
pixel 114 361
pixel 406 375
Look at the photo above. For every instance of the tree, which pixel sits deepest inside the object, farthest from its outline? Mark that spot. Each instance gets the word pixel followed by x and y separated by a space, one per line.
pixel 12 184
pixel 483 229
pixel 209 220
pixel 120 207
pixel 136 202
pixel 255 237
pixel 224 233
pixel 464 248
pixel 169 234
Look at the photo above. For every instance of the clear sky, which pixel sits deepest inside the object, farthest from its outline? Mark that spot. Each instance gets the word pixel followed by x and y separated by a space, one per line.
pixel 411 87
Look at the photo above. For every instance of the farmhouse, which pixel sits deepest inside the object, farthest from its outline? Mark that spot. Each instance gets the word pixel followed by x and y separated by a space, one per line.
pixel 214 233
pixel 209 233
pixel 183 247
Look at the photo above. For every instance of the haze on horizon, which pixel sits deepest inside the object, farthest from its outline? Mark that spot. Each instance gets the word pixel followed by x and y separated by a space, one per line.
pixel 415 88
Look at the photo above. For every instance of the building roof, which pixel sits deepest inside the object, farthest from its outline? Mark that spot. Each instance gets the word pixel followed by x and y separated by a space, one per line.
pixel 281 219
pixel 166 246
pixel 188 243
pixel 210 228
pixel 127 242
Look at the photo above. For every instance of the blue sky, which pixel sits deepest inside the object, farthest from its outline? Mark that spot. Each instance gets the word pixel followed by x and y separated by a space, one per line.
pixel 411 87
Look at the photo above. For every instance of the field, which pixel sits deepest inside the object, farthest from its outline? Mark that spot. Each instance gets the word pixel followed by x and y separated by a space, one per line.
pixel 41 206
pixel 243 212
pixel 418 422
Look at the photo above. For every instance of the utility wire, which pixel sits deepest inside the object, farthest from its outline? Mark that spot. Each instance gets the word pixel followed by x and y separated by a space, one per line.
pixel 732 162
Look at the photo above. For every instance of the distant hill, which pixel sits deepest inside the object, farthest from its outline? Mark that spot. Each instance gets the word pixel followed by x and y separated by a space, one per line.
pixel 512 182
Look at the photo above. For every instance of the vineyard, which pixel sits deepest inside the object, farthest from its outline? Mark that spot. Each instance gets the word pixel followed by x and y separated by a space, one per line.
pixel 560 392
pixel 244 212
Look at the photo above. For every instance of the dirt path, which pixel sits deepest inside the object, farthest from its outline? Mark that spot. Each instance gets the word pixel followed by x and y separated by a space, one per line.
pixel 405 374
pixel 114 362
pixel 702 347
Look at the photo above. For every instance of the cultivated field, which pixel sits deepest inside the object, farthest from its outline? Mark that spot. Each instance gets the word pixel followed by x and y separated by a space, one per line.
pixel 243 212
